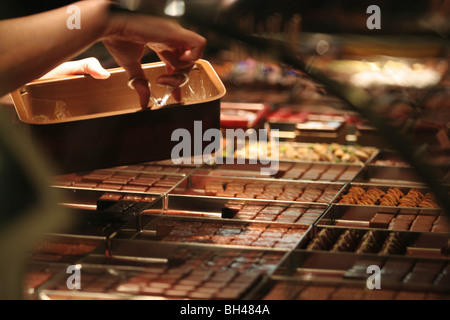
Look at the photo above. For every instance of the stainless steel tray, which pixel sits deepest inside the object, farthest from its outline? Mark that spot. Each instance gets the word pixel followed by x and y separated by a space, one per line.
pixel 120 181
pixel 388 167
pixel 198 185
pixel 407 243
pixel 37 274
pixel 330 153
pixel 297 289
pixel 354 216
pixel 404 188
pixel 137 269
pixel 276 212
pixel 220 232
pixel 321 172
pixel 326 275
pixel 65 248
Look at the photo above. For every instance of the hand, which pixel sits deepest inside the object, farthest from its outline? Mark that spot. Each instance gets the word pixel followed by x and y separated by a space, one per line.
pixel 26 54
pixel 128 36
pixel 90 66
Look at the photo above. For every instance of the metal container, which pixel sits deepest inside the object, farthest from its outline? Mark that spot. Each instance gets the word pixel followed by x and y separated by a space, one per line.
pixel 135 269
pixel 288 171
pixel 197 186
pixel 388 167
pixel 409 243
pixel 357 216
pixel 383 187
pixel 329 275
pixel 297 152
pixel 82 123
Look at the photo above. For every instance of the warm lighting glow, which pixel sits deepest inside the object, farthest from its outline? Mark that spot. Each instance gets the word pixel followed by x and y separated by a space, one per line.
pixel 174 8
pixel 227 3
pixel 130 4
pixel 396 74
pixel 322 47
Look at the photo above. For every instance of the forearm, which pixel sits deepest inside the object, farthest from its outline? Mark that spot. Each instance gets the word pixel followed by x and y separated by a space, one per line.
pixel 33 45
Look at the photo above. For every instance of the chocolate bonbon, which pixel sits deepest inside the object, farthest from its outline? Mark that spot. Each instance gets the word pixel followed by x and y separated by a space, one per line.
pixel 392 197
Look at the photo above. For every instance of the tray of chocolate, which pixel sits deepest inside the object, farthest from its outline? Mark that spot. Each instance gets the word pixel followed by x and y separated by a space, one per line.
pixel 162 166
pixel 222 232
pixel 387 196
pixel 96 201
pixel 243 115
pixel 340 267
pixel 331 276
pixel 61 114
pixel 130 179
pixel 99 224
pixel 67 249
pixel 389 167
pixel 141 270
pixel 304 126
pixel 287 171
pixel 379 242
pixel 308 290
pixel 309 152
pixel 425 220
pixel 240 210
pixel 261 189
pixel 403 277
pixel 37 274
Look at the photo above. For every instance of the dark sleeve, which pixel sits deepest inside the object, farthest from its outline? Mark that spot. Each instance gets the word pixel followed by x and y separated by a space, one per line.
pixel 19 8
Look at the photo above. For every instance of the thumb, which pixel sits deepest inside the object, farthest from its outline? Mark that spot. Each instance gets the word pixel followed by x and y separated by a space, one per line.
pixel 93 67
pixel 89 66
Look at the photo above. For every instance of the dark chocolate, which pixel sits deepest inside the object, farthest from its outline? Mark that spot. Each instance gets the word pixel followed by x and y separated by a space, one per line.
pixel 347 241
pixel 229 213
pixel 370 242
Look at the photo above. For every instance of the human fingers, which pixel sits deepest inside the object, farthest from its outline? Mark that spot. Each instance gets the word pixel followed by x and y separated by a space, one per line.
pixel 93 67
pixel 172 80
pixel 142 88
pixel 90 66
pixel 180 57
pixel 128 55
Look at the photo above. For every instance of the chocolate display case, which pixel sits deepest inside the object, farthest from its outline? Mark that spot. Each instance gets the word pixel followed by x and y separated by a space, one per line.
pixel 225 231
pixel 188 244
